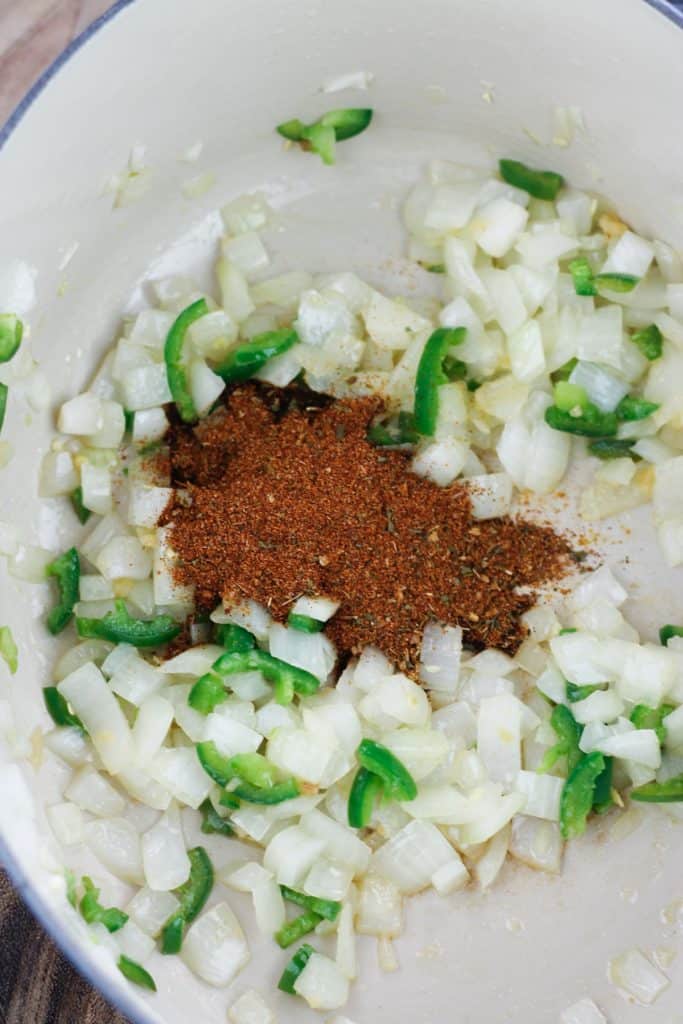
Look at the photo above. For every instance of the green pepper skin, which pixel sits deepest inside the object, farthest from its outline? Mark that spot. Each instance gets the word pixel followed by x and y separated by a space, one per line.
pixel 431 375
pixel 176 370
pixel 59 712
pixel 120 627
pixel 136 973
pixel 67 571
pixel 650 342
pixel 539 184
pixel 294 968
pixel 378 759
pixel 578 795
pixel 668 792
pixel 365 789
pixel 246 359
pixel 192 895
pixel 591 423
pixel 295 929
pixel 329 909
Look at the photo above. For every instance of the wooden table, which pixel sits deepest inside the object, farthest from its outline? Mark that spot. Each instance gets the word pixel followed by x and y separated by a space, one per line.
pixel 37 984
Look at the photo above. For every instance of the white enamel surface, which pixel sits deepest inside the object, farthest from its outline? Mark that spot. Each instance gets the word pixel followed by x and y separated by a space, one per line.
pixel 225 73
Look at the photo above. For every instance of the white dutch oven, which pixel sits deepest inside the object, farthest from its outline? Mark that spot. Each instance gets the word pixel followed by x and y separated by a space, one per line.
pixel 453 78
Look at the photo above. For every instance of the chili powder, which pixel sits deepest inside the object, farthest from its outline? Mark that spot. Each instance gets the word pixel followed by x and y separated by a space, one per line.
pixel 282 495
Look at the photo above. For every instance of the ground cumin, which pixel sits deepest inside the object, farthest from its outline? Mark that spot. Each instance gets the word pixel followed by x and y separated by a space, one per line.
pixel 282 495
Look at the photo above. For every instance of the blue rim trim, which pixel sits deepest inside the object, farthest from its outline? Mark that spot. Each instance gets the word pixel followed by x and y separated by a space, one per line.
pixel 671 9
pixel 73 47
pixel 39 907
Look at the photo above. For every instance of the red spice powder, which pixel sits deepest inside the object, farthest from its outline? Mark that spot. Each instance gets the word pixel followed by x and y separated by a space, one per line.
pixel 284 496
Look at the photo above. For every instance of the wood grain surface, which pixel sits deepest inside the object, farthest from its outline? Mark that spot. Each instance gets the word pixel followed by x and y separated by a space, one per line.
pixel 37 984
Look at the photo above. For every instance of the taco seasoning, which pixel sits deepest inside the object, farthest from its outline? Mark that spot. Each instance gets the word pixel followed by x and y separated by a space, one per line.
pixel 280 494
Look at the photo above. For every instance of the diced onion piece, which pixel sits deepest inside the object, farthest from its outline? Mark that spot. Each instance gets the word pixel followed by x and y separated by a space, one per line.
pixel 392 324
pixel 410 858
pixel 81 415
pixel 146 387
pixel 152 723
pixel 328 881
pixel 497 226
pixel 499 736
pixel 291 854
pixel 124 558
pixel 96 487
pixel 151 910
pixel 490 495
pixel 251 1008
pixel 422 751
pixel 640 746
pixel 380 907
pixel 637 976
pixel 269 907
pixel 310 651
pixel 134 943
pixel 542 793
pixel 97 707
pixel 235 297
pixel 340 844
pixel 116 843
pixel 346 942
pixel 440 657
pixel 205 385
pixel 215 947
pixel 583 1012
pixel 601 706
pixel 629 255
pixel 489 864
pixel 145 504
pixel 441 461
pixel 133 678
pixel 66 821
pixel 58 475
pixel 164 857
pixel 319 608
pixel 603 388
pixel 70 744
pixel 537 843
pixel 322 984
pixel 92 792
pixel 180 772
pixel 149 425
pixel 249 212
pixel 450 877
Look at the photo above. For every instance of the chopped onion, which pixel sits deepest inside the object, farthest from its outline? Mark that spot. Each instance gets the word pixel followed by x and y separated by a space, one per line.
pixel 537 843
pixel 124 558
pixel 151 726
pixel 251 1008
pixel 322 984
pixel 205 386
pixel 96 488
pixel 291 854
pixel 29 563
pixel 542 794
pixel 66 821
pixel 637 976
pixel 488 866
pixel 340 845
pixel 269 907
pixel 411 857
pixel 134 943
pixel 583 1012
pixel 641 746
pixel 149 425
pixel 145 504
pixel 115 842
pixel 58 475
pixel 90 791
pixel 180 772
pixel 164 857
pixel 310 651
pixel 346 942
pixel 151 910
pixel 97 707
pixel 145 387
pixel 215 947
pixel 380 907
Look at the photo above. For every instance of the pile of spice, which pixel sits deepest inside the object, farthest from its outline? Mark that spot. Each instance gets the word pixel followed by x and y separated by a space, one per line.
pixel 283 495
